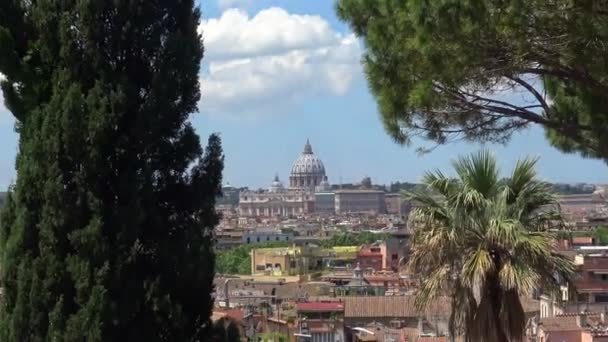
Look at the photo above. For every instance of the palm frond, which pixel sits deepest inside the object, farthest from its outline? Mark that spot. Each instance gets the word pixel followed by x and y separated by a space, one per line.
pixel 476 267
pixel 522 175
pixel 431 287
pixel 518 277
pixel 440 184
pixel 479 172
pixel 479 235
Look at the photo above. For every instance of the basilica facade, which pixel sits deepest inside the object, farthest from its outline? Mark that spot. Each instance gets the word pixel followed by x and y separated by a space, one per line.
pixel 307 176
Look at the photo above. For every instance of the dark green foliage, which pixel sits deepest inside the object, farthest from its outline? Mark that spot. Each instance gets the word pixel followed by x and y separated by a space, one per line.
pixel 601 235
pixel 225 330
pixel 445 69
pixel 272 337
pixel 353 239
pixel 398 186
pixel 107 233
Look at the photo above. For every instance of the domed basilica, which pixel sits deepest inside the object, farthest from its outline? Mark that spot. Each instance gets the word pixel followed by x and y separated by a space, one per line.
pixel 308 171
pixel 307 176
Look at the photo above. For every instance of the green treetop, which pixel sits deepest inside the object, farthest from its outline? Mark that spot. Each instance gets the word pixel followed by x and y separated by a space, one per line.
pixel 484 242
pixel 480 70
pixel 107 233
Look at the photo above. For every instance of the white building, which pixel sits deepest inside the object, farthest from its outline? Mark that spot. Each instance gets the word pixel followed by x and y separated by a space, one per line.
pixel 307 175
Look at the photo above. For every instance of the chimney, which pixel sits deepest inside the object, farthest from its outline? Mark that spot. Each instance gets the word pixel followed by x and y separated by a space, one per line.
pixel 581 319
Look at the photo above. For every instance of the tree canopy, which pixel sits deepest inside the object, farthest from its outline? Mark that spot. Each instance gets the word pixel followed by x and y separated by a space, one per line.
pixel 481 70
pixel 107 233
pixel 484 242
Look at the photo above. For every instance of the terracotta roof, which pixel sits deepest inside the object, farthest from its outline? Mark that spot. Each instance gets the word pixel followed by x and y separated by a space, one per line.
pixel 560 323
pixel 368 253
pixel 596 263
pixel 433 339
pixel 322 326
pixel 320 307
pixel 403 306
pixel 591 285
pixel 397 306
pixel 235 314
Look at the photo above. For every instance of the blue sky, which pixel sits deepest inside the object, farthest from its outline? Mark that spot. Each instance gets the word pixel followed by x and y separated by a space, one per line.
pixel 279 72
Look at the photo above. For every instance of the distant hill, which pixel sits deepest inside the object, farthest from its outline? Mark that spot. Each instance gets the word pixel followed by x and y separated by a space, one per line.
pixel 573 189
pixel 559 188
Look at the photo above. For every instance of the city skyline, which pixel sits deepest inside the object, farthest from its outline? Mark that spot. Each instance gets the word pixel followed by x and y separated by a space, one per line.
pixel 267 91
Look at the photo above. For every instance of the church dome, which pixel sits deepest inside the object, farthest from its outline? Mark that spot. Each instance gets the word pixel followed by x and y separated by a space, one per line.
pixel 308 170
pixel 276 185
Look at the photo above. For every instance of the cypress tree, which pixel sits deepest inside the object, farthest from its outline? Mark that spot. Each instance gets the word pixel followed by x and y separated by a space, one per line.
pixel 107 233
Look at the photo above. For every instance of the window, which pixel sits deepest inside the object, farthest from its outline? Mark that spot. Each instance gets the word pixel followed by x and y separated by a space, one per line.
pixel 604 277
pixel 268 238
pixel 395 324
pixel 276 239
pixel 249 239
pixel 394 257
pixel 260 267
pixel 257 239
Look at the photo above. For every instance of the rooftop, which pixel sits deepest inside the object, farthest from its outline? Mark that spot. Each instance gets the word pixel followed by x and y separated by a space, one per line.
pixel 358 191
pixel 320 307
pixel 392 307
pixel 560 323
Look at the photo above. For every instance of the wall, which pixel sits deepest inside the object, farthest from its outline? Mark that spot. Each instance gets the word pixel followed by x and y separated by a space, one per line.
pixel 261 258
pixel 349 201
pixel 561 336
pixel 325 203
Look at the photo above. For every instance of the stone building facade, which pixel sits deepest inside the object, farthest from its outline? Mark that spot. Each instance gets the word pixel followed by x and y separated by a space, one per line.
pixel 360 201
pixel 307 175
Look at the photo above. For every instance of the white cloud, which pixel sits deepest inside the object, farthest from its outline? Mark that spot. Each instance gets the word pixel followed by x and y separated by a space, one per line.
pixel 272 59
pixel 271 31
pixel 224 4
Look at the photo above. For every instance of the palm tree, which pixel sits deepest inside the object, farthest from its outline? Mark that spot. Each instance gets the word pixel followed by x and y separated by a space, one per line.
pixel 484 241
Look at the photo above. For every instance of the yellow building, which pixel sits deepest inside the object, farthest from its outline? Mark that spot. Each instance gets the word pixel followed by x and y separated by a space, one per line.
pixel 297 260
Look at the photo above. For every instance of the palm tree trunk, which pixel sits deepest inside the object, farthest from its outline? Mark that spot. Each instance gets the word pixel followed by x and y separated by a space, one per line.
pixel 496 299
